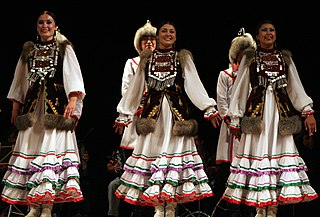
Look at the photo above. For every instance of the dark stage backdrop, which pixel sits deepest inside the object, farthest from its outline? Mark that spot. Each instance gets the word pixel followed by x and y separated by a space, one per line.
pixel 103 32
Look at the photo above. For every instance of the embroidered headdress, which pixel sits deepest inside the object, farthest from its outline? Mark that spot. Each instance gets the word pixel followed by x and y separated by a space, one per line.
pixel 146 30
pixel 240 43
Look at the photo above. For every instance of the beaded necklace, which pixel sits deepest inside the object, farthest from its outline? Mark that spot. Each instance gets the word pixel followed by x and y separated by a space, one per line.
pixel 162 69
pixel 43 61
pixel 272 65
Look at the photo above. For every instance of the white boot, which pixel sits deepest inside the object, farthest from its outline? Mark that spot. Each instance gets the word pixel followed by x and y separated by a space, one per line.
pixel 34 211
pixel 272 211
pixel 171 209
pixel 261 212
pixel 159 211
pixel 46 210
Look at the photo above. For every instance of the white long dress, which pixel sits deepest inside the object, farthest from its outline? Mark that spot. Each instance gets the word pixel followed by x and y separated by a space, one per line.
pixel 44 164
pixel 227 143
pixel 268 169
pixel 129 137
pixel 163 167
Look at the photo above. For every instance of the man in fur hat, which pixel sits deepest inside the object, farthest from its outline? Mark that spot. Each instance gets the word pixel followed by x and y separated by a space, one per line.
pixel 145 38
pixel 227 142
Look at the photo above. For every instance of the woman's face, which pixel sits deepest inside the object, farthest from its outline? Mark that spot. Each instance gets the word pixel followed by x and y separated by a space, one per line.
pixel 267 36
pixel 46 27
pixel 167 36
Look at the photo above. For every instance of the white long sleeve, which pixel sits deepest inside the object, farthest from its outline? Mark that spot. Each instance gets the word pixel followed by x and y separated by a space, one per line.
pixel 296 91
pixel 19 85
pixel 224 89
pixel 194 87
pixel 129 71
pixel 72 78
pixel 132 97
pixel 240 91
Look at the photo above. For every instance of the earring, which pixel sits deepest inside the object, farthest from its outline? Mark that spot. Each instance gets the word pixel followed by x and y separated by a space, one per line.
pixel 55 34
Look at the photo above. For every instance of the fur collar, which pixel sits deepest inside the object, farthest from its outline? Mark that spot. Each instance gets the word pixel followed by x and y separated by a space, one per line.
pixel 27 47
pixel 146 54
pixel 287 56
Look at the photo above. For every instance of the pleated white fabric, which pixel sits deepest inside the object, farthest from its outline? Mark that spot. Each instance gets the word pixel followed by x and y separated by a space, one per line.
pixel 164 167
pixel 268 169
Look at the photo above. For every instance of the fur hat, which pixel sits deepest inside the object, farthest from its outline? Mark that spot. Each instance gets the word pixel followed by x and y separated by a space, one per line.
pixel 146 30
pixel 240 43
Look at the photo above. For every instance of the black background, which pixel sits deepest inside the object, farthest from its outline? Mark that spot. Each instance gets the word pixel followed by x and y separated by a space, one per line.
pixel 103 31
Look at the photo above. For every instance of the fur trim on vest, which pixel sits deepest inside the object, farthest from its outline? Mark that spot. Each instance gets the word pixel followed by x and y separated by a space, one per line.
pixel 180 128
pixel 286 56
pixel 59 122
pixel 252 125
pixel 286 126
pixel 145 126
pixel 27 47
pixel 290 125
pixel 182 54
pixel 25 121
pixel 146 54
pixel 50 121
pixel 185 128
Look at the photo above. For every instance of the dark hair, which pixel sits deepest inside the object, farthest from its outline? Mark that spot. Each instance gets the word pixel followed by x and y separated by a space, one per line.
pixel 163 23
pixel 51 14
pixel 267 21
pixel 264 22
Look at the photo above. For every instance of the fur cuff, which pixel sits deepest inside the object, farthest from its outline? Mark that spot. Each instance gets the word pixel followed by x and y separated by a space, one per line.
pixel 145 126
pixel 185 128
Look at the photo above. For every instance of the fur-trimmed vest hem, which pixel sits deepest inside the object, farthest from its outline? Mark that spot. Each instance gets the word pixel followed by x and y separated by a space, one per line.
pixel 251 125
pixel 145 126
pixel 286 126
pixel 49 121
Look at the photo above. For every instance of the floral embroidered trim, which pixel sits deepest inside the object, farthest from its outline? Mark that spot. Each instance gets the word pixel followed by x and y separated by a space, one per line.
pixel 123 120
pixel 75 93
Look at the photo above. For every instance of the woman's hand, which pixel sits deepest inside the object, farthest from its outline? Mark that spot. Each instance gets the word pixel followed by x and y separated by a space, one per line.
pixel 15 111
pixel 118 128
pixel 215 120
pixel 235 132
pixel 68 112
pixel 310 124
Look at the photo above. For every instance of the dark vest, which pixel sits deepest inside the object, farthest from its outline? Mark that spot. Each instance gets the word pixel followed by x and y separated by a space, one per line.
pixel 165 80
pixel 45 64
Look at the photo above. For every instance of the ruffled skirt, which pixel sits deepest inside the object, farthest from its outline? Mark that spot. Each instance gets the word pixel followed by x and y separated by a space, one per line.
pixel 43 168
pixel 268 169
pixel 163 168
